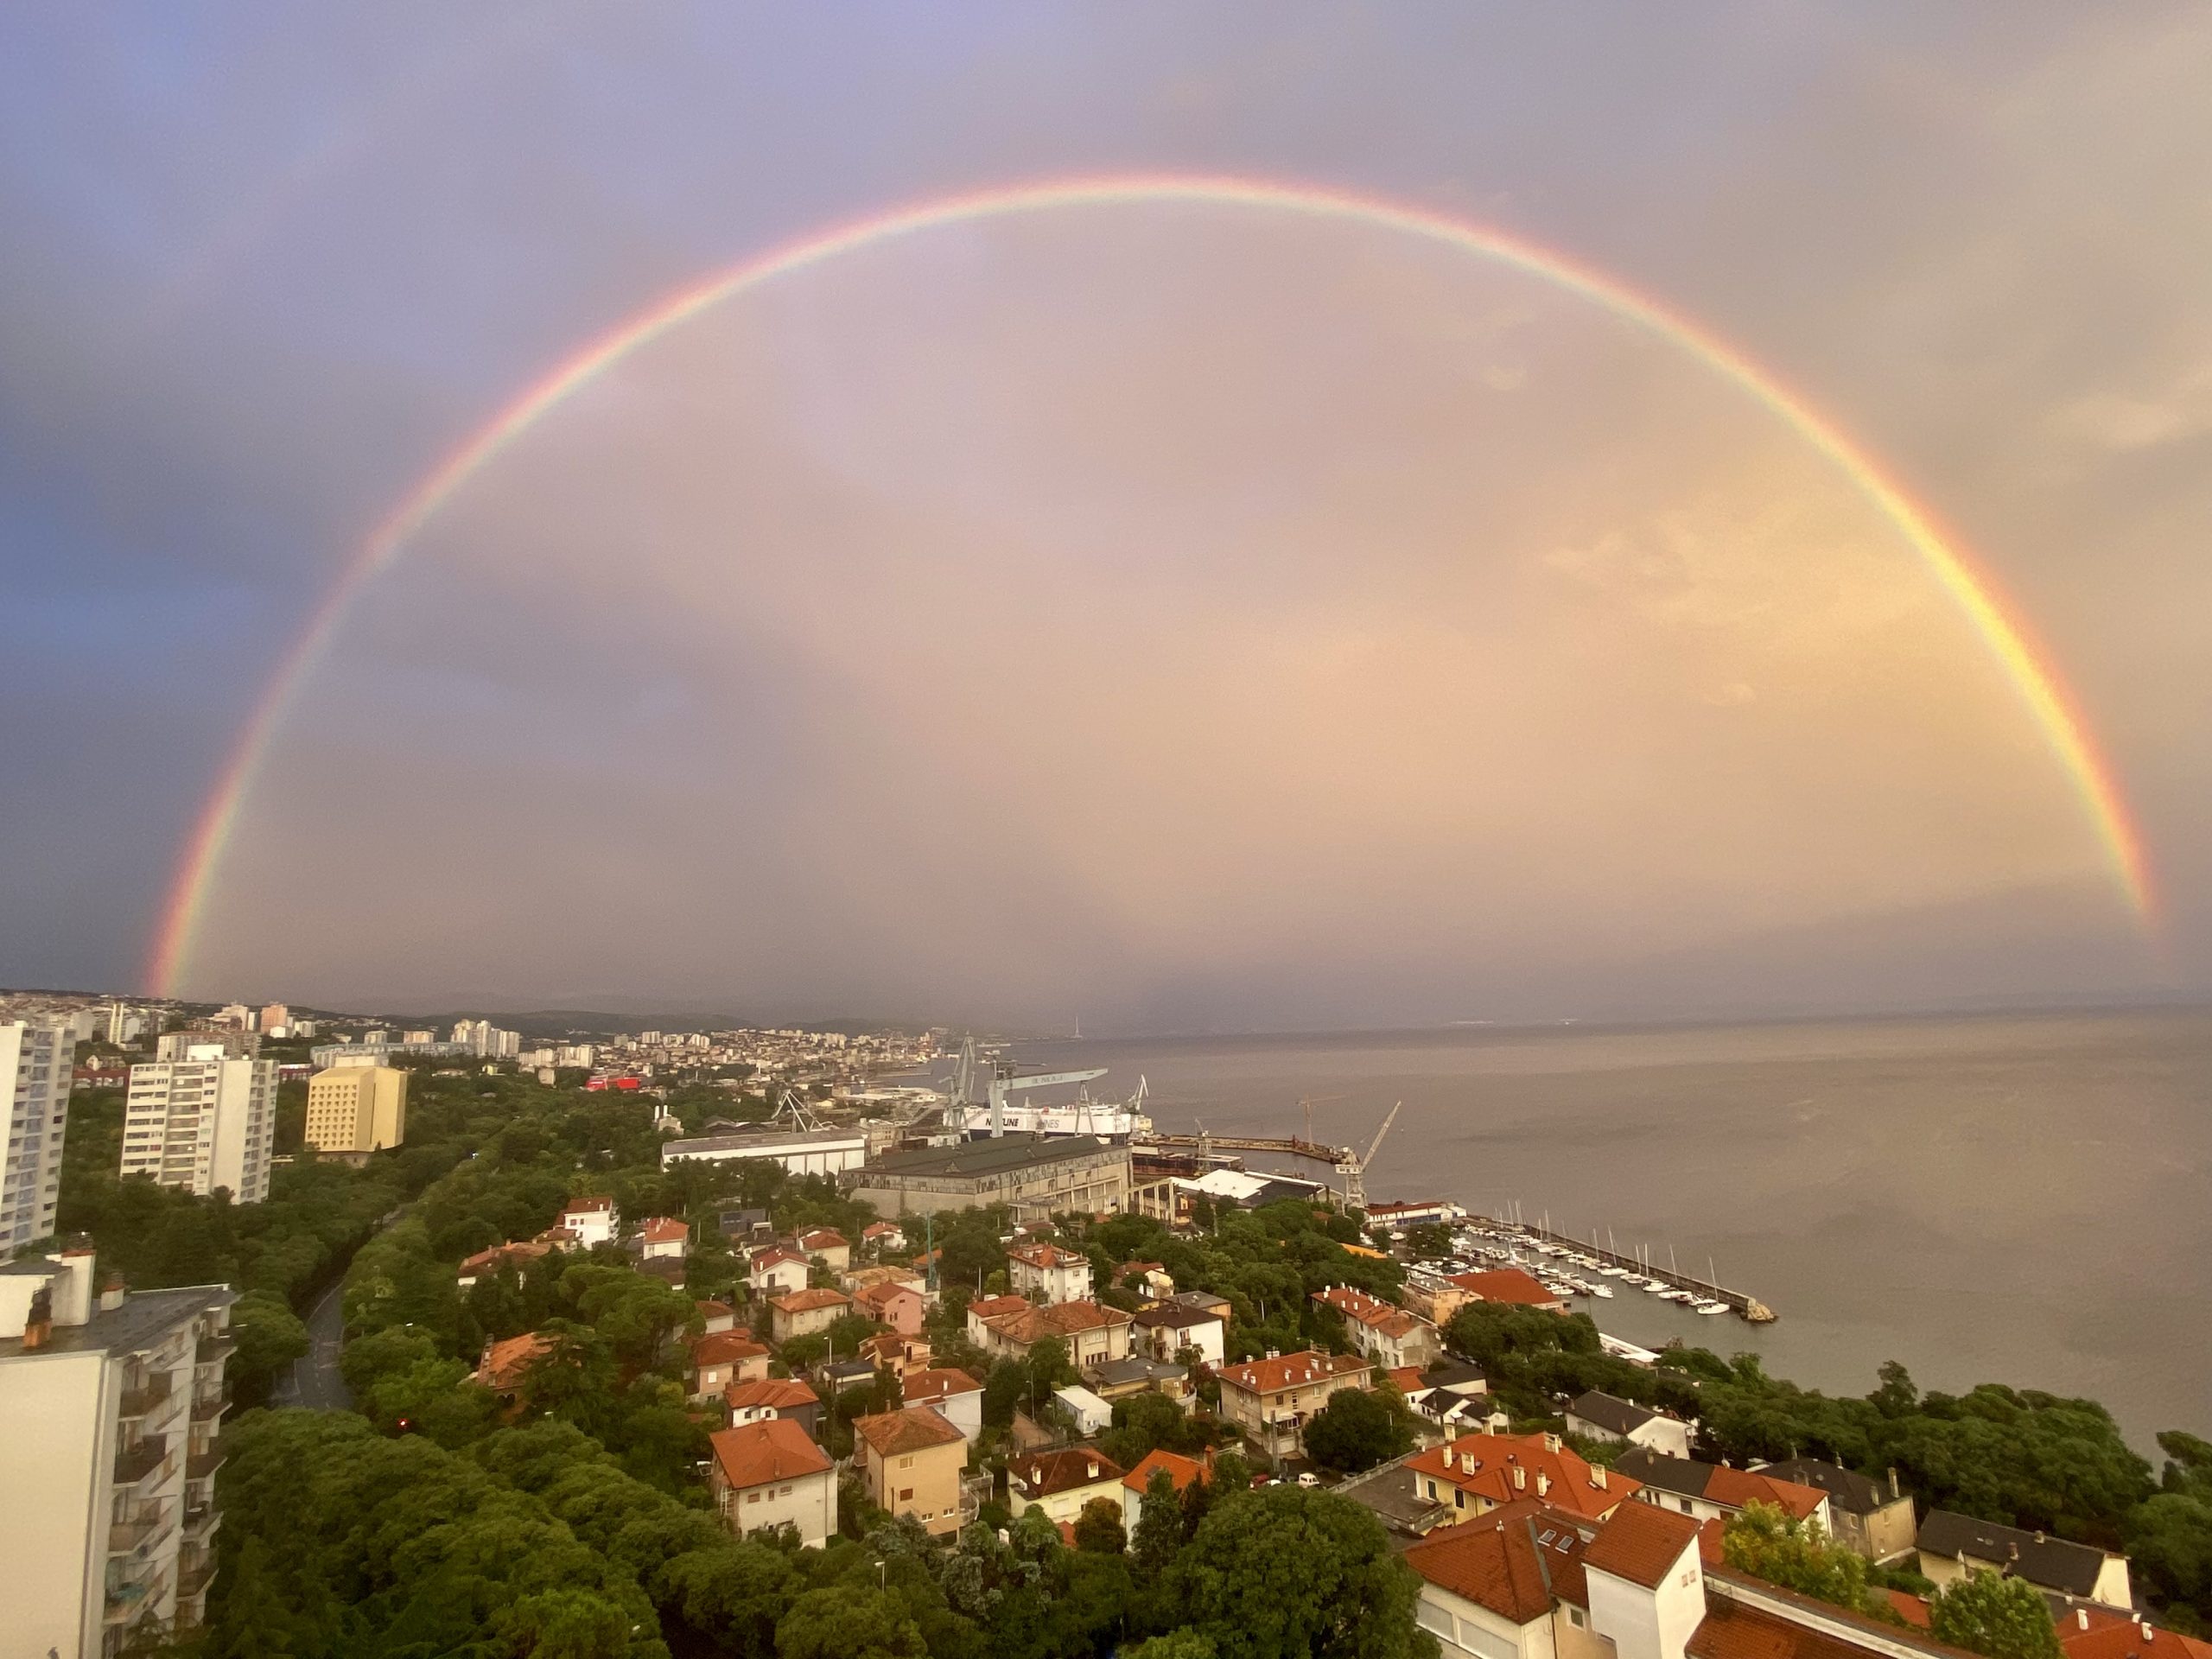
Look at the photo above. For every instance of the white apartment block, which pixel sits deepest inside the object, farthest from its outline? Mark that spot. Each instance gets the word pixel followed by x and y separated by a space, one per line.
pixel 35 1058
pixel 113 1402
pixel 201 1122
pixel 487 1041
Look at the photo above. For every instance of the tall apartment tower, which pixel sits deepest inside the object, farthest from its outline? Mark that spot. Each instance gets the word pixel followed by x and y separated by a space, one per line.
pixel 203 1122
pixel 276 1020
pixel 108 1534
pixel 353 1110
pixel 36 1056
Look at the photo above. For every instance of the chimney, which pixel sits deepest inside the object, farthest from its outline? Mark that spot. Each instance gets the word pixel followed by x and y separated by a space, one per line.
pixel 2039 1538
pixel 38 1327
pixel 1094 1471
pixel 1597 1476
pixel 73 1294
pixel 111 1293
pixel 2150 1632
pixel 1519 1478
pixel 2081 1618
pixel 1543 1484
pixel 1551 1442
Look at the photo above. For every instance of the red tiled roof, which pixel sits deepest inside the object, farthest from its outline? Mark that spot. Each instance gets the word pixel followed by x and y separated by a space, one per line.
pixel 586 1206
pixel 1030 1325
pixel 665 1229
pixel 715 1310
pixel 882 1229
pixel 1370 1310
pixel 2120 1637
pixel 776 1256
pixel 884 1293
pixel 893 1434
pixel 771 1393
pixel 1496 1562
pixel 1505 1467
pixel 725 1348
pixel 1913 1610
pixel 1507 1285
pixel 1405 1378
pixel 1292 1371
pixel 1180 1470
pixel 1044 1256
pixel 500 1255
pixel 1711 1538
pixel 816 1239
pixel 504 1363
pixel 992 1307
pixel 1043 1474
pixel 1640 1543
pixel 775 1448
pixel 1739 1488
pixel 805 1301
pixel 1732 1629
pixel 927 1387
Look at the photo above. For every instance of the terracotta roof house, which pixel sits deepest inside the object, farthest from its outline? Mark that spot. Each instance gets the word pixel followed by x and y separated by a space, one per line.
pixel 1091 1333
pixel 777 1271
pixel 1060 1483
pixel 1270 1401
pixel 771 1474
pixel 505 1363
pixel 1046 1273
pixel 912 1461
pixel 893 1303
pixel 1477 1472
pixel 1166 1329
pixel 1705 1490
pixel 884 1236
pixel 2083 1636
pixel 802 1312
pixel 662 1238
pixel 1181 1471
pixel 723 1357
pixel 765 1397
pixel 1383 1331
pixel 1512 1286
pixel 516 1255
pixel 1504 1565
pixel 717 1316
pixel 832 1246
pixel 984 1309
pixel 956 1394
pixel 1873 1517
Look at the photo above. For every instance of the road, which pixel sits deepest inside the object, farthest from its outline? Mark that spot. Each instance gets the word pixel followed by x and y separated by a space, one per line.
pixel 314 1379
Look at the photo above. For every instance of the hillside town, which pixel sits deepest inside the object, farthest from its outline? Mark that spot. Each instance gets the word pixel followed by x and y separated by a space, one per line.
pixel 817 1307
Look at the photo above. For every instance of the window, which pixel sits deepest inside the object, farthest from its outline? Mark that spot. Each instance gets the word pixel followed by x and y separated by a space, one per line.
pixel 906 1463
pixel 906 1493
pixel 1574 1617
pixel 752 1497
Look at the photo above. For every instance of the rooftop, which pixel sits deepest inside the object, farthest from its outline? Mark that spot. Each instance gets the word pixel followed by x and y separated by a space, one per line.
pixel 1041 1474
pixel 806 1301
pixel 144 1322
pixel 1611 1412
pixel 1510 1285
pixel 1505 1467
pixel 1506 1562
pixel 916 1428
pixel 976 1158
pixel 1292 1370
pixel 754 1454
pixel 1847 1491
pixel 2040 1558
pixel 1717 1483
pixel 942 1382
pixel 770 1393
pixel 1640 1543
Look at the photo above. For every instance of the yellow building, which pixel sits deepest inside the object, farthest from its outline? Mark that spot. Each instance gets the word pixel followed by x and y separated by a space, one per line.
pixel 353 1110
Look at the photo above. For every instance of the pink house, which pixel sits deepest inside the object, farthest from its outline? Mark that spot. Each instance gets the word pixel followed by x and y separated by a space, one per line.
pixel 897 1305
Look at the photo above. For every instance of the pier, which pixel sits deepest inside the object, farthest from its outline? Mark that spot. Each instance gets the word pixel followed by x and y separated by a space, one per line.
pixel 1743 1305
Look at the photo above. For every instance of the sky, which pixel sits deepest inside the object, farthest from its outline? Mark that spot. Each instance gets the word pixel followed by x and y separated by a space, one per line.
pixel 1173 616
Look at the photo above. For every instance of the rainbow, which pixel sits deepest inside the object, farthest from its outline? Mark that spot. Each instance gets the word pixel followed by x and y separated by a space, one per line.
pixel 2008 639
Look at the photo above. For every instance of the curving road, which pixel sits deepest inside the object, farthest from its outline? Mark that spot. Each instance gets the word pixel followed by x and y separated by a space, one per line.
pixel 314 1380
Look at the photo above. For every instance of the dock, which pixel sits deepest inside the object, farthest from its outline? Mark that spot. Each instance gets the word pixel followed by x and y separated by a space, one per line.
pixel 1743 1305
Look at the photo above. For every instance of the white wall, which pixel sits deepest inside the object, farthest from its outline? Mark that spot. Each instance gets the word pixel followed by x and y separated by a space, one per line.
pixel 809 1504
pixel 1649 1623
pixel 54 1466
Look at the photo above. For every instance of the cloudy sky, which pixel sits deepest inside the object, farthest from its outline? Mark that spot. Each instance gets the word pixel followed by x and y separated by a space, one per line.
pixel 1177 616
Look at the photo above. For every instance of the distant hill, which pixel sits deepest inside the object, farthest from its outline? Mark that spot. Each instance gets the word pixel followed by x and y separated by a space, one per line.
pixel 572 1023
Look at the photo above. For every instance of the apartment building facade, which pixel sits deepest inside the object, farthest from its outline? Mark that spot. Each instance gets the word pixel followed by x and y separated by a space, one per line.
pixel 35 1057
pixel 110 1534
pixel 204 1122
pixel 353 1110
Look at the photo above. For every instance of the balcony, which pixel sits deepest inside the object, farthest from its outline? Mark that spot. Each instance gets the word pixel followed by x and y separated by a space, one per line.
pixel 200 1464
pixel 191 1579
pixel 213 1350
pixel 124 1536
pixel 141 1401
pixel 207 1409
pixel 130 1598
pixel 134 1463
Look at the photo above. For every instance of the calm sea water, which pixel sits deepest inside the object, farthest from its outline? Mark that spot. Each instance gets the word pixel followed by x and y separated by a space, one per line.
pixel 2005 1199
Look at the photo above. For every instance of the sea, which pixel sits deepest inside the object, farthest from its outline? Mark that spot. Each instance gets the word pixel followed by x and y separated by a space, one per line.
pixel 2008 1198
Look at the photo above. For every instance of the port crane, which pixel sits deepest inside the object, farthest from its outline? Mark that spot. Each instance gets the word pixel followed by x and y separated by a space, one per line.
pixel 1351 1162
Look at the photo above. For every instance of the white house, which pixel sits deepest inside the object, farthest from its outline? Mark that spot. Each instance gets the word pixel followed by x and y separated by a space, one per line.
pixel 1092 1416
pixel 777 1271
pixel 1383 1331
pixel 590 1220
pixel 1164 1329
pixel 771 1474
pixel 1046 1273
pixel 1599 1416
pixel 957 1395
pixel 662 1238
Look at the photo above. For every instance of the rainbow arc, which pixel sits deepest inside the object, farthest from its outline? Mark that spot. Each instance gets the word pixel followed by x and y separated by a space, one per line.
pixel 2005 634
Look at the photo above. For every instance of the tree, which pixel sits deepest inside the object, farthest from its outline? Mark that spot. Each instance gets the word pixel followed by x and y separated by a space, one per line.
pixel 1290 1573
pixel 270 1337
pixel 1160 1528
pixel 1098 1529
pixel 848 1623
pixel 1355 1430
pixel 1176 1644
pixel 2002 1617
pixel 1797 1555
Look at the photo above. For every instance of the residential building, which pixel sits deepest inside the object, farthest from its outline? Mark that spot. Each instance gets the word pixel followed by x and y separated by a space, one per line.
pixel 1951 1546
pixel 832 1246
pixel 1873 1517
pixel 802 1151
pixel 803 1313
pixel 276 1020
pixel 1513 1286
pixel 489 1264
pixel 912 1461
pixel 235 1043
pixel 1093 1333
pixel 485 1040
pixel 1476 1473
pixel 766 1397
pixel 892 1303
pixel 504 1367
pixel 984 1309
pixel 1090 1414
pixel 1710 1490
pixel 1046 1273
pixel 1061 1482
pixel 662 1238
pixel 113 1401
pixel 1034 1176
pixel 777 1271
pixel 1117 1379
pixel 1270 1401
pixel 716 1316
pixel 36 1057
pixel 202 1123
pixel 722 1359
pixel 1181 1471
pixel 1166 1329
pixel 745 1227
pixel 1599 1416
pixel 771 1474
pixel 897 1352
pixel 1383 1331
pixel 955 1396
pixel 853 1280
pixel 353 1110
pixel 592 1220
pixel 883 1236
